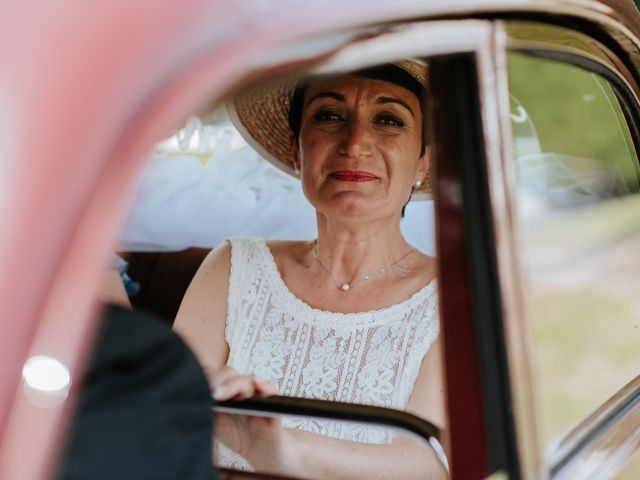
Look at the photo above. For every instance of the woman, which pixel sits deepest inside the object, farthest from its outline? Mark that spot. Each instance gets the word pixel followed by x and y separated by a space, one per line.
pixel 350 316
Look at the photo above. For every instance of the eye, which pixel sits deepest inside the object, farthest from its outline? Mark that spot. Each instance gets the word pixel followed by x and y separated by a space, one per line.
pixel 390 120
pixel 327 115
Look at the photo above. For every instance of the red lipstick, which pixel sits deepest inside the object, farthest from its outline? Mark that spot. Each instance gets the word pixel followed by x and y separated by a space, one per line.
pixel 353 176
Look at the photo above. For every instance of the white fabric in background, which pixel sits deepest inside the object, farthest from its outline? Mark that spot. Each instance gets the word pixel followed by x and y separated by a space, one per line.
pixel 182 203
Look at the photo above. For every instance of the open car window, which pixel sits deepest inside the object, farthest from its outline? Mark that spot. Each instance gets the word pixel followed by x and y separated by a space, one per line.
pixel 204 184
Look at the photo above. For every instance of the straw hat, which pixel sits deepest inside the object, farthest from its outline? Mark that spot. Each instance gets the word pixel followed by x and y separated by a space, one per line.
pixel 261 115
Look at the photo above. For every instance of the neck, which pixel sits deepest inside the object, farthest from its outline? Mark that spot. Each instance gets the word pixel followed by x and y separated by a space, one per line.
pixel 351 251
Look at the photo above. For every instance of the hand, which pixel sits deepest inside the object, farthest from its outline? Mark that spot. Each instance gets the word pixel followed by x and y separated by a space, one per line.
pixel 260 440
pixel 227 384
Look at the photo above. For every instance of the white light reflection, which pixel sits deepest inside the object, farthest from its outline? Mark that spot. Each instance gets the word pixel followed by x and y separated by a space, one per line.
pixel 46 381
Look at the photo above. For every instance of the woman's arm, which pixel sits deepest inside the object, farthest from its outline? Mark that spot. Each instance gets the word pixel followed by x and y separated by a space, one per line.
pixel 202 315
pixel 428 399
pixel 273 449
pixel 308 455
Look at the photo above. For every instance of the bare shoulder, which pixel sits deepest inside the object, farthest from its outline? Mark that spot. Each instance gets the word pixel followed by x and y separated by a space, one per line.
pixel 210 281
pixel 216 264
pixel 201 318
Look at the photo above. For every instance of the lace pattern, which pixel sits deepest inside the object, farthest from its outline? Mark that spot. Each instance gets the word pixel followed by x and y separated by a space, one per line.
pixel 370 358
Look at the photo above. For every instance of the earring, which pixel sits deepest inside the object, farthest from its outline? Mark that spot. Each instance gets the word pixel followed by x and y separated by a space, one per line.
pixel 296 170
pixel 418 183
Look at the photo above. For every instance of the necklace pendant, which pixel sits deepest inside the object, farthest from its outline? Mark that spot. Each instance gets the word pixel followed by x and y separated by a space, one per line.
pixel 345 287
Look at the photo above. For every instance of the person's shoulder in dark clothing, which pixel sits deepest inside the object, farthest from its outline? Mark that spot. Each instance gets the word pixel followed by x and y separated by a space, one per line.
pixel 144 410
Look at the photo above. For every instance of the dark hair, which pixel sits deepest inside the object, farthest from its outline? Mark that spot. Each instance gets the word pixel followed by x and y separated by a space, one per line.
pixel 386 72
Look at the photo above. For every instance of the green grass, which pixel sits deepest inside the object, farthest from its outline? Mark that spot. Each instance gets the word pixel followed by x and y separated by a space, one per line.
pixel 572 111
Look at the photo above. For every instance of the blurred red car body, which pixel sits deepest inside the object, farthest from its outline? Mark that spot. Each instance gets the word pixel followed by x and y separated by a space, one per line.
pixel 86 90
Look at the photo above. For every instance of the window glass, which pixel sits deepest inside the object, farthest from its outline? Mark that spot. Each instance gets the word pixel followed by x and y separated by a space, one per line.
pixel 579 219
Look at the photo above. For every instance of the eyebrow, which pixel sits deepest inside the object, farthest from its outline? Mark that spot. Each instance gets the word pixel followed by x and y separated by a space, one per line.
pixel 379 100
pixel 334 95
pixel 383 100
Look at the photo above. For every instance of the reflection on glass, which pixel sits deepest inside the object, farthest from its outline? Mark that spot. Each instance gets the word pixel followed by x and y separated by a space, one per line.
pixel 579 215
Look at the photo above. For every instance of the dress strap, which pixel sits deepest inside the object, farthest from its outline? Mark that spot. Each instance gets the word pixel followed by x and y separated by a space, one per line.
pixel 242 276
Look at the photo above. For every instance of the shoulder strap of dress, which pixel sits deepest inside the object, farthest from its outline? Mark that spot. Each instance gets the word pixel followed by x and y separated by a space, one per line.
pixel 242 274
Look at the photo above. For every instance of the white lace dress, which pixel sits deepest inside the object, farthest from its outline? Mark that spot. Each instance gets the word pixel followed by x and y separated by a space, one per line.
pixel 370 358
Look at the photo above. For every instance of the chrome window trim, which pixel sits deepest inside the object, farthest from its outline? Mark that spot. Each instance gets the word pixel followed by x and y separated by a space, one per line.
pixel 494 93
pixel 596 432
pixel 599 435
pixel 364 47
pixel 418 39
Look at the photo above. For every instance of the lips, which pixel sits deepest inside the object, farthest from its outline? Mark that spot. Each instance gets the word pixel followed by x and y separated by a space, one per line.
pixel 353 176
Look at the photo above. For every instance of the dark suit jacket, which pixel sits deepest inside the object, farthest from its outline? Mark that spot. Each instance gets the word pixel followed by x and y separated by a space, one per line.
pixel 144 411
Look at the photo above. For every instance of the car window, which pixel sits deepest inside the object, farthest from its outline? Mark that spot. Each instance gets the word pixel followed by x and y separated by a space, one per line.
pixel 204 184
pixel 578 212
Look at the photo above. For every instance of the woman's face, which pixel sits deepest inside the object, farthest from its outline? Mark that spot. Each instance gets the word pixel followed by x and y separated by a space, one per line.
pixel 359 149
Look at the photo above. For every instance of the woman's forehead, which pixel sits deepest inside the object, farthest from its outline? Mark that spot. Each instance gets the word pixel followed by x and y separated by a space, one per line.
pixel 348 85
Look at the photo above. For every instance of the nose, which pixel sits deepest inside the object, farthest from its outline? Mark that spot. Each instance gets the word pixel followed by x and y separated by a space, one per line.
pixel 358 138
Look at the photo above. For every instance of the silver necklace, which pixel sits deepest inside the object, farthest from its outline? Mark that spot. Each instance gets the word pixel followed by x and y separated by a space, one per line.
pixel 346 286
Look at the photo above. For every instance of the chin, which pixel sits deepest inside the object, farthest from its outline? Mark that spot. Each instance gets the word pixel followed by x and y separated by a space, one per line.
pixel 356 205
